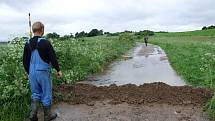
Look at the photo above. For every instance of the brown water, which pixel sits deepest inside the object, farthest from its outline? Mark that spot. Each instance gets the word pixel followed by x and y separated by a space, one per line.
pixel 141 65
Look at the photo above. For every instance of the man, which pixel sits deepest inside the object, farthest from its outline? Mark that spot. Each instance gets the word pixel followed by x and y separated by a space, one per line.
pixel 146 40
pixel 38 58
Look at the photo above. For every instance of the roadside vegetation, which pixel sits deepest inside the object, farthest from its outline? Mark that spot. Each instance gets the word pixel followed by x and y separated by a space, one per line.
pixel 192 55
pixel 78 59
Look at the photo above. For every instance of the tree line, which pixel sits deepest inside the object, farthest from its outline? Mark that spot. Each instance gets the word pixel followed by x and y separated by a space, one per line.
pixel 96 32
pixel 93 32
pixel 209 27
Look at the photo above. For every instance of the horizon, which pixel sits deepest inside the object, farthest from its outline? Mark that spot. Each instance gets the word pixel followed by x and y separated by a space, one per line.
pixel 13 36
pixel 26 35
pixel 64 17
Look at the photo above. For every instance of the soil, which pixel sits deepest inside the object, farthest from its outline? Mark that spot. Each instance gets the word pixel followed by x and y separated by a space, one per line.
pixel 102 111
pixel 147 102
pixel 159 93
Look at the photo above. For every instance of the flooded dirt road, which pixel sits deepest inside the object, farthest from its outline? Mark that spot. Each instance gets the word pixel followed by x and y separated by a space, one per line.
pixel 141 65
pixel 142 86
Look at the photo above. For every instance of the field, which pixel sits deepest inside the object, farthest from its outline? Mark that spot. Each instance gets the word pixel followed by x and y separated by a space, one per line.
pixel 192 55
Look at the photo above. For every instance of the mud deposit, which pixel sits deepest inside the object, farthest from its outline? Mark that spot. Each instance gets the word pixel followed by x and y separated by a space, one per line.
pixel 148 102
pixel 158 92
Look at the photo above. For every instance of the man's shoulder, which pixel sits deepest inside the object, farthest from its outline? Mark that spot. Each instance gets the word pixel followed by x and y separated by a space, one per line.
pixel 43 40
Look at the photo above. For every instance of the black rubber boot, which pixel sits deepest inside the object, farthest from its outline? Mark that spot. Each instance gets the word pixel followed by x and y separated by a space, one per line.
pixel 34 110
pixel 48 115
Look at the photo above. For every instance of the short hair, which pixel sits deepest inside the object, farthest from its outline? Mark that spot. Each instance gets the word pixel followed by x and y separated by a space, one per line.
pixel 37 27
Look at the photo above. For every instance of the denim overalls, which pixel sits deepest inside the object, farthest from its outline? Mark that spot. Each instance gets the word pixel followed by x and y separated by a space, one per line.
pixel 40 78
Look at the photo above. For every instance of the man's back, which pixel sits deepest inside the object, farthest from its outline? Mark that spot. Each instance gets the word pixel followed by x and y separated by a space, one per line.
pixel 45 50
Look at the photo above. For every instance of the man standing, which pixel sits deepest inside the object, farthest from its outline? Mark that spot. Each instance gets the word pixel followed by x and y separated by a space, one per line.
pixel 146 40
pixel 38 58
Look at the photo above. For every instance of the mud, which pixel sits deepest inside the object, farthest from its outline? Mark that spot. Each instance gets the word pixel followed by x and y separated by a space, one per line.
pixel 103 111
pixel 147 102
pixel 159 93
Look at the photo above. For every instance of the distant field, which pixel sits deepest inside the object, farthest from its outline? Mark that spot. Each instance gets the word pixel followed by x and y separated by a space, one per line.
pixel 192 55
pixel 209 33
pixel 186 50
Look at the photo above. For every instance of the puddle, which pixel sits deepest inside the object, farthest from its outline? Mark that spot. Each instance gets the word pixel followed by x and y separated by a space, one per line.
pixel 141 65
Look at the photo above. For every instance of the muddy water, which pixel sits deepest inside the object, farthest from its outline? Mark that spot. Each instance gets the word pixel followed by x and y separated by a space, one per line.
pixel 141 65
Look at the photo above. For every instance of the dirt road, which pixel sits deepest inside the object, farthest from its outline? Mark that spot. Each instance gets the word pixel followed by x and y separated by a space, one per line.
pixel 140 101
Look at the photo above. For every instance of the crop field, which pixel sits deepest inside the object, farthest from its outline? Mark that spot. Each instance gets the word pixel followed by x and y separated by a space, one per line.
pixel 192 55
pixel 78 58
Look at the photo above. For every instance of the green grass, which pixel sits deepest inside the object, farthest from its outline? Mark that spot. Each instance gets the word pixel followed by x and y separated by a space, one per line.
pixel 192 55
pixel 15 110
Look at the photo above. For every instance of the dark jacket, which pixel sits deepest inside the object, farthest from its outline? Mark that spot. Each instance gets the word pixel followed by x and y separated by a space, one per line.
pixel 46 52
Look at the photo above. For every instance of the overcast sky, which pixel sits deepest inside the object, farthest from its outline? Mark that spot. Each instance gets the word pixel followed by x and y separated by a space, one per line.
pixel 70 16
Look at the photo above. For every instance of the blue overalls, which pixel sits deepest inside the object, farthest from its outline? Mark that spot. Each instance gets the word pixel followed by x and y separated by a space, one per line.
pixel 40 78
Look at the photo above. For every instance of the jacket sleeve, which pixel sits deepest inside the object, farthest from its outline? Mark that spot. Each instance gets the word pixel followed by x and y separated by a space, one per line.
pixel 53 57
pixel 26 58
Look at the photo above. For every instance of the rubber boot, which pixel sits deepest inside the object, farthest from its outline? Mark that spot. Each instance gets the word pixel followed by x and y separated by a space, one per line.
pixel 34 110
pixel 48 115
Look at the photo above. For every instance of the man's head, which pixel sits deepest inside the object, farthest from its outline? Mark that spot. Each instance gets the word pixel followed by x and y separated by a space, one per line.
pixel 38 29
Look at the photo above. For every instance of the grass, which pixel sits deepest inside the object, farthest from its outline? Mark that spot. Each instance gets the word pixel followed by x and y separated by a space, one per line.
pixel 192 56
pixel 15 110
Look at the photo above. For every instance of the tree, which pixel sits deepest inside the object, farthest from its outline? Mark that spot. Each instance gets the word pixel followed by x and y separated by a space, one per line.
pixel 106 32
pixel 52 35
pixel 204 28
pixel 71 35
pixel 95 32
pixel 209 27
pixel 145 33
pixel 127 31
pixel 81 34
pixel 101 32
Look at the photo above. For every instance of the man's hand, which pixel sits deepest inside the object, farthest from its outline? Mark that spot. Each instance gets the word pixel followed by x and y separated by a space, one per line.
pixel 59 74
